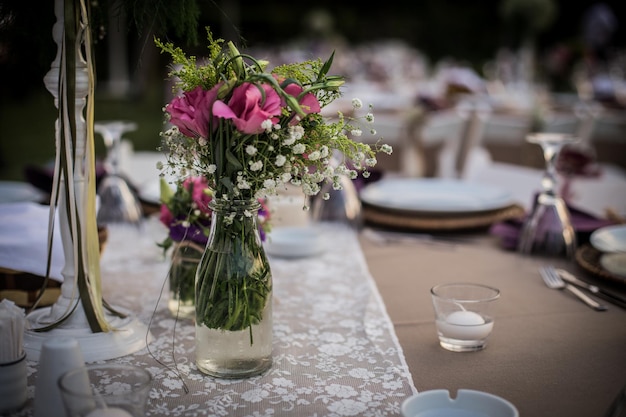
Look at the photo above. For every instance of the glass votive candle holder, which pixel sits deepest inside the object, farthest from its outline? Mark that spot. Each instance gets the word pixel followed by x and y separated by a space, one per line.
pixel 464 315
pixel 105 390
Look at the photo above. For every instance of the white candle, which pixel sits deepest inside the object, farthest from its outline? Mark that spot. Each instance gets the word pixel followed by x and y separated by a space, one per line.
pixel 109 412
pixel 465 325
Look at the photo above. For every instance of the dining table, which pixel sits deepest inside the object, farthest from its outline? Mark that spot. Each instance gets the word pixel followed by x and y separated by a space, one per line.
pixel 549 354
pixel 354 325
pixel 354 330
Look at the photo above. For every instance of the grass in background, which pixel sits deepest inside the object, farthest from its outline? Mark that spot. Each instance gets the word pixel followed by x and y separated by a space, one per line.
pixel 27 128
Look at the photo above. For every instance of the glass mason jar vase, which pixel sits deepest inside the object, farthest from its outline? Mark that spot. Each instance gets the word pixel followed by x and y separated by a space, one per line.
pixel 234 294
pixel 182 278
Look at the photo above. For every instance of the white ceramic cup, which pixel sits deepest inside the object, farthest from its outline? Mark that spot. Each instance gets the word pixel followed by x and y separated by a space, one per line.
pixel 58 355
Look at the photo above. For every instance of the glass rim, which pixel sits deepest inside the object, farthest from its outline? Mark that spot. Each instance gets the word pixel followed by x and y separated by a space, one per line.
pixel 495 292
pixel 63 386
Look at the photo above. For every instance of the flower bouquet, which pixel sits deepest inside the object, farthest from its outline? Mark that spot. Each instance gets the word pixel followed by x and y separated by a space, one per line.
pixel 250 131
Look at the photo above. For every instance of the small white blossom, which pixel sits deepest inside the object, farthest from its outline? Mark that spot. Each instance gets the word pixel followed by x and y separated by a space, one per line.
pixel 314 156
pixel 357 103
pixel 280 160
pixel 202 141
pixel 298 148
pixel 386 149
pixel 267 125
pixel 356 132
pixel 369 117
pixel 251 150
pixel 269 184
pixel 370 162
pixel 256 166
pixel 212 168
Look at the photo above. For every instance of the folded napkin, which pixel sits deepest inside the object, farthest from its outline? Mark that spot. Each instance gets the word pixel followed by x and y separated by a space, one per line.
pixel 24 240
pixel 584 224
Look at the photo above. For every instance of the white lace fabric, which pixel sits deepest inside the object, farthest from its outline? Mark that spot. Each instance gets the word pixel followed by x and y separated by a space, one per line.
pixel 335 350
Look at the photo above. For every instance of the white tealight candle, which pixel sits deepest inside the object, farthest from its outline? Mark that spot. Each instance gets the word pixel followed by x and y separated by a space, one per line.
pixel 465 325
pixel 109 412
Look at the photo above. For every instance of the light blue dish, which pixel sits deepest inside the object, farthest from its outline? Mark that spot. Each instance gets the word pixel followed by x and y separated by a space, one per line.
pixel 468 403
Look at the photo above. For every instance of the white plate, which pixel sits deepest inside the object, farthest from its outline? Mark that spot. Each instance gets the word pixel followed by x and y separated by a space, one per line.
pixel 294 242
pixel 609 239
pixel 615 263
pixel 15 191
pixel 435 195
pixel 468 403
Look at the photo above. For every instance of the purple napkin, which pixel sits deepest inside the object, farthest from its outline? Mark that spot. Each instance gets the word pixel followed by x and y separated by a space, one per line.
pixel 584 224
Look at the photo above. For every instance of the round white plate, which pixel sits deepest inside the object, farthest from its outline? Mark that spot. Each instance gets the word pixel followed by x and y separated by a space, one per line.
pixel 615 263
pixel 468 403
pixel 15 191
pixel 294 242
pixel 435 195
pixel 609 239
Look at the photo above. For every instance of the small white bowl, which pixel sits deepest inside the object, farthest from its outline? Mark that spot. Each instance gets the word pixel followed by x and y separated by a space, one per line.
pixel 468 403
pixel 294 242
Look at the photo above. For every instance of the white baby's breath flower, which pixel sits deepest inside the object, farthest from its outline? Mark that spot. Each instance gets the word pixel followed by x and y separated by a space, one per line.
pixel 280 160
pixel 289 141
pixel 212 168
pixel 369 117
pixel 386 149
pixel 314 156
pixel 251 150
pixel 298 148
pixel 202 141
pixel 357 103
pixel 371 162
pixel 256 166
pixel 356 132
pixel 267 125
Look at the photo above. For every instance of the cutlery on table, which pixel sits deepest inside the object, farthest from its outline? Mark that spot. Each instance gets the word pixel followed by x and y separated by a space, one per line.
pixel 600 292
pixel 553 280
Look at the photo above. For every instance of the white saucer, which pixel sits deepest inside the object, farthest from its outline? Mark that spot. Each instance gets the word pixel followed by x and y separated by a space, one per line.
pixel 294 242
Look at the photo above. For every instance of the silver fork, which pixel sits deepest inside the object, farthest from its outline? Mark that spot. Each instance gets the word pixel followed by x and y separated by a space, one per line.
pixel 553 280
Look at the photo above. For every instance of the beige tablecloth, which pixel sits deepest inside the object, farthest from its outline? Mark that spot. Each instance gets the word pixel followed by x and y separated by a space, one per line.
pixel 549 354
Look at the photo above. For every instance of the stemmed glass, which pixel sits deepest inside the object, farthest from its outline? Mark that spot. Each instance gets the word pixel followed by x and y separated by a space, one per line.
pixel 118 202
pixel 548 228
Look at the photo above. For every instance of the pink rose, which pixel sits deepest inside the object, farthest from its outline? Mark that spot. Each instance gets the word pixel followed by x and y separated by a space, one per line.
pixel 191 112
pixel 166 216
pixel 198 186
pixel 308 102
pixel 248 108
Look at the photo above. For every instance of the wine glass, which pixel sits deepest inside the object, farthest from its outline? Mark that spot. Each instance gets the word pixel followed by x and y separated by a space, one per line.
pixel 118 202
pixel 548 228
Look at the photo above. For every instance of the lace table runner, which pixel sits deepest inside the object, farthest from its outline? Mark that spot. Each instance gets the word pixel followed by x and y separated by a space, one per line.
pixel 335 349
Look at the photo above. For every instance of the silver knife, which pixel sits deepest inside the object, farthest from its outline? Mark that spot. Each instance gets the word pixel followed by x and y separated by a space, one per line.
pixel 607 295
